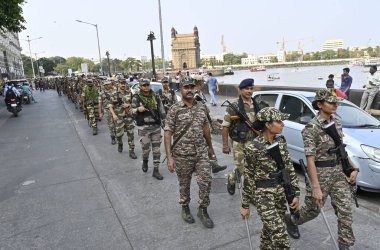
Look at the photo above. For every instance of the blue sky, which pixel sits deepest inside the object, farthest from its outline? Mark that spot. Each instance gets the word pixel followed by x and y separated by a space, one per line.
pixel 247 25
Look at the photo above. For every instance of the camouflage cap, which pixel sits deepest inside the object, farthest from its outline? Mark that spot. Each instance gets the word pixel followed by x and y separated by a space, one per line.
pixel 164 80
pixel 107 82
pixel 269 114
pixel 187 82
pixel 143 81
pixel 89 80
pixel 325 95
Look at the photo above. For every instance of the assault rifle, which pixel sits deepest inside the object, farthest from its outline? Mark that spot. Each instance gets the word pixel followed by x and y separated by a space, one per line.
pixel 282 174
pixel 340 151
pixel 242 117
pixel 156 117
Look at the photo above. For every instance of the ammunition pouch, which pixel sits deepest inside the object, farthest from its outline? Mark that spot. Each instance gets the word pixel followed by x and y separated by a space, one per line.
pixel 269 183
pixel 238 131
pixel 140 119
pixel 326 164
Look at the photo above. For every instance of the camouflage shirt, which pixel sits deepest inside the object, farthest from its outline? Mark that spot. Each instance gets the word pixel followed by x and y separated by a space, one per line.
pixel 260 166
pixel 105 98
pixel 117 99
pixel 249 110
pixel 178 118
pixel 316 141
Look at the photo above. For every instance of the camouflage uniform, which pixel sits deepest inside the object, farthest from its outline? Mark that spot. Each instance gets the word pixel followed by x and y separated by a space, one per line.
pixel 168 99
pixel 238 147
pixel 269 201
pixel 124 119
pixel 190 153
pixel 105 100
pixel 91 98
pixel 149 130
pixel 331 179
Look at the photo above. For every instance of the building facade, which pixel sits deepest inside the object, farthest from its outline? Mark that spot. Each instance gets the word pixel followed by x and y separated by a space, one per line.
pixel 334 44
pixel 186 53
pixel 11 66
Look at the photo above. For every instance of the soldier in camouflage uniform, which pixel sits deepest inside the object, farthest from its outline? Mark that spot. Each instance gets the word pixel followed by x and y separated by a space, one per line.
pixel 104 101
pixel 267 192
pixel 121 101
pixel 149 112
pixel 188 124
pixel 326 172
pixel 245 104
pixel 90 98
pixel 167 95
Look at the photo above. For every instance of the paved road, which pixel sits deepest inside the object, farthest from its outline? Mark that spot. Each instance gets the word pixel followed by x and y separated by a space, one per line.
pixel 62 188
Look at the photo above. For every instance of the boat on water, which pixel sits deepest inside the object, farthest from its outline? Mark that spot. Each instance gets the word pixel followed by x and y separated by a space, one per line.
pixel 273 76
pixel 258 68
pixel 370 62
pixel 228 71
pixel 320 78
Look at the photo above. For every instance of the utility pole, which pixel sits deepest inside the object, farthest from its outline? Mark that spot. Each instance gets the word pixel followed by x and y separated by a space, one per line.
pixel 162 39
pixel 109 65
pixel 151 37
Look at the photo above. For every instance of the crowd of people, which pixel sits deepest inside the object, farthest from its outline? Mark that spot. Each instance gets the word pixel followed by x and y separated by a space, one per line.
pixel 250 132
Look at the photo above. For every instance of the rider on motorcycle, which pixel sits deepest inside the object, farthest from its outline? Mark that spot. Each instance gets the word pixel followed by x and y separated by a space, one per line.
pixel 28 91
pixel 8 88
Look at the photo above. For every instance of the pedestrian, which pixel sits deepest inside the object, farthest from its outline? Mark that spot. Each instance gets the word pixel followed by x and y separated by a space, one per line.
pixel 120 103
pixel 268 192
pixel 237 130
pixel 213 88
pixel 371 88
pixel 104 102
pixel 188 125
pixel 325 172
pixel 148 111
pixel 42 85
pixel 336 92
pixel 345 85
pixel 90 99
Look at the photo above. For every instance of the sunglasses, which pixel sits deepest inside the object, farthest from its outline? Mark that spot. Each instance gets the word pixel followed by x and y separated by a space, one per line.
pixel 146 84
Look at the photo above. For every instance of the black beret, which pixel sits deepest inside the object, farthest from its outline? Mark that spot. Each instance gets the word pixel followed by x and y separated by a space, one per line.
pixel 246 83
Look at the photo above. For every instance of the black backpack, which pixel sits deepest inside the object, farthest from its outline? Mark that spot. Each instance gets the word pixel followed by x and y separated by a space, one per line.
pixel 10 94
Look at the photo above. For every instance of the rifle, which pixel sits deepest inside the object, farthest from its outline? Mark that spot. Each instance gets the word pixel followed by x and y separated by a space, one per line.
pixel 242 117
pixel 340 151
pixel 307 179
pixel 156 117
pixel 283 174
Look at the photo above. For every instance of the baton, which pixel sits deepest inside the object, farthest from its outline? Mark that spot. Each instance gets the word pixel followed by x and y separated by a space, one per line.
pixel 238 180
pixel 322 212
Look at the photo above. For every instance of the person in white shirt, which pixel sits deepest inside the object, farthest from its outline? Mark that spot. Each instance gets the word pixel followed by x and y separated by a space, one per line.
pixel 371 89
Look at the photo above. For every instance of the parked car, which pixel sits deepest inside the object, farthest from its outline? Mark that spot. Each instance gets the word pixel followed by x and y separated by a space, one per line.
pixel 361 131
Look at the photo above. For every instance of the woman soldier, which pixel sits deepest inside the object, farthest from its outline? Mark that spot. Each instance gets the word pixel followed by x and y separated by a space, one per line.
pixel 325 172
pixel 259 180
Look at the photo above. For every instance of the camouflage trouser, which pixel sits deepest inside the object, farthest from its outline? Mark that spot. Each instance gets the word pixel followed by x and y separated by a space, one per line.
pixel 151 135
pixel 333 184
pixel 119 128
pixel 128 124
pixel 271 207
pixel 91 116
pixel 110 123
pixel 239 161
pixel 185 167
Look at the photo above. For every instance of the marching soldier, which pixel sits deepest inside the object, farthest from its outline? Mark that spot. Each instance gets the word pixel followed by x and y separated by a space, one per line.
pixel 90 100
pixel 325 172
pixel 167 95
pixel 104 102
pixel 149 112
pixel 268 192
pixel 239 132
pixel 188 124
pixel 121 101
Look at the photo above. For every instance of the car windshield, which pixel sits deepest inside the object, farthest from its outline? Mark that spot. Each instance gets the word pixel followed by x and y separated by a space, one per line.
pixel 353 117
pixel 156 87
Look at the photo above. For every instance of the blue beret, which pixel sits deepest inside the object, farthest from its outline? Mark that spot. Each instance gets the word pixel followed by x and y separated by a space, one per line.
pixel 246 83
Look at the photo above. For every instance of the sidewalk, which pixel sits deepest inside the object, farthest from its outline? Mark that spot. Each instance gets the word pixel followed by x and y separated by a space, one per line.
pixel 67 189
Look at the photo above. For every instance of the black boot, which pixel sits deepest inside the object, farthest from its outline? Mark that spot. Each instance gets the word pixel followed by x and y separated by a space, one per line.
pixel 217 168
pixel 291 227
pixel 186 215
pixel 113 141
pixel 145 166
pixel 132 154
pixel 205 219
pixel 230 185
pixel 94 131
pixel 120 148
pixel 156 174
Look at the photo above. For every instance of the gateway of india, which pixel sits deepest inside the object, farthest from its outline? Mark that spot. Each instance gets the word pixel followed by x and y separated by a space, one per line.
pixel 186 53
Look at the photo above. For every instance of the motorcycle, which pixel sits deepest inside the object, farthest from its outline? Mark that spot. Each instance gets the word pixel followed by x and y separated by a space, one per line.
pixel 26 98
pixel 13 106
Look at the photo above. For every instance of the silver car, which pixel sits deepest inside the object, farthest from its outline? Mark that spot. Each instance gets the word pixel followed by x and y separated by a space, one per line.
pixel 361 130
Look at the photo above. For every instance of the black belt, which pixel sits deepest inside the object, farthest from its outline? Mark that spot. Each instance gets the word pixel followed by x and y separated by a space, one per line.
pixel 270 183
pixel 326 164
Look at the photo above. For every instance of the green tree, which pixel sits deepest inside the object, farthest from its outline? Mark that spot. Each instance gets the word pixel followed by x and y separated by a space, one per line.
pixel 47 64
pixel 27 66
pixel 61 69
pixel 11 18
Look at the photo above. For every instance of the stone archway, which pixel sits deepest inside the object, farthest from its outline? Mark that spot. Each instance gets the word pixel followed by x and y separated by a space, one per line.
pixel 184 66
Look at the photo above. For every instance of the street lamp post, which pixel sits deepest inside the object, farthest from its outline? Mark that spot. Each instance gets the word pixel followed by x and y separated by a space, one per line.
pixel 97 36
pixel 30 53
pixel 109 65
pixel 151 38
pixel 162 39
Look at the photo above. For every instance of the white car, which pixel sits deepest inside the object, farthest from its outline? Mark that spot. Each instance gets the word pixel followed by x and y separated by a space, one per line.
pixel 361 130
